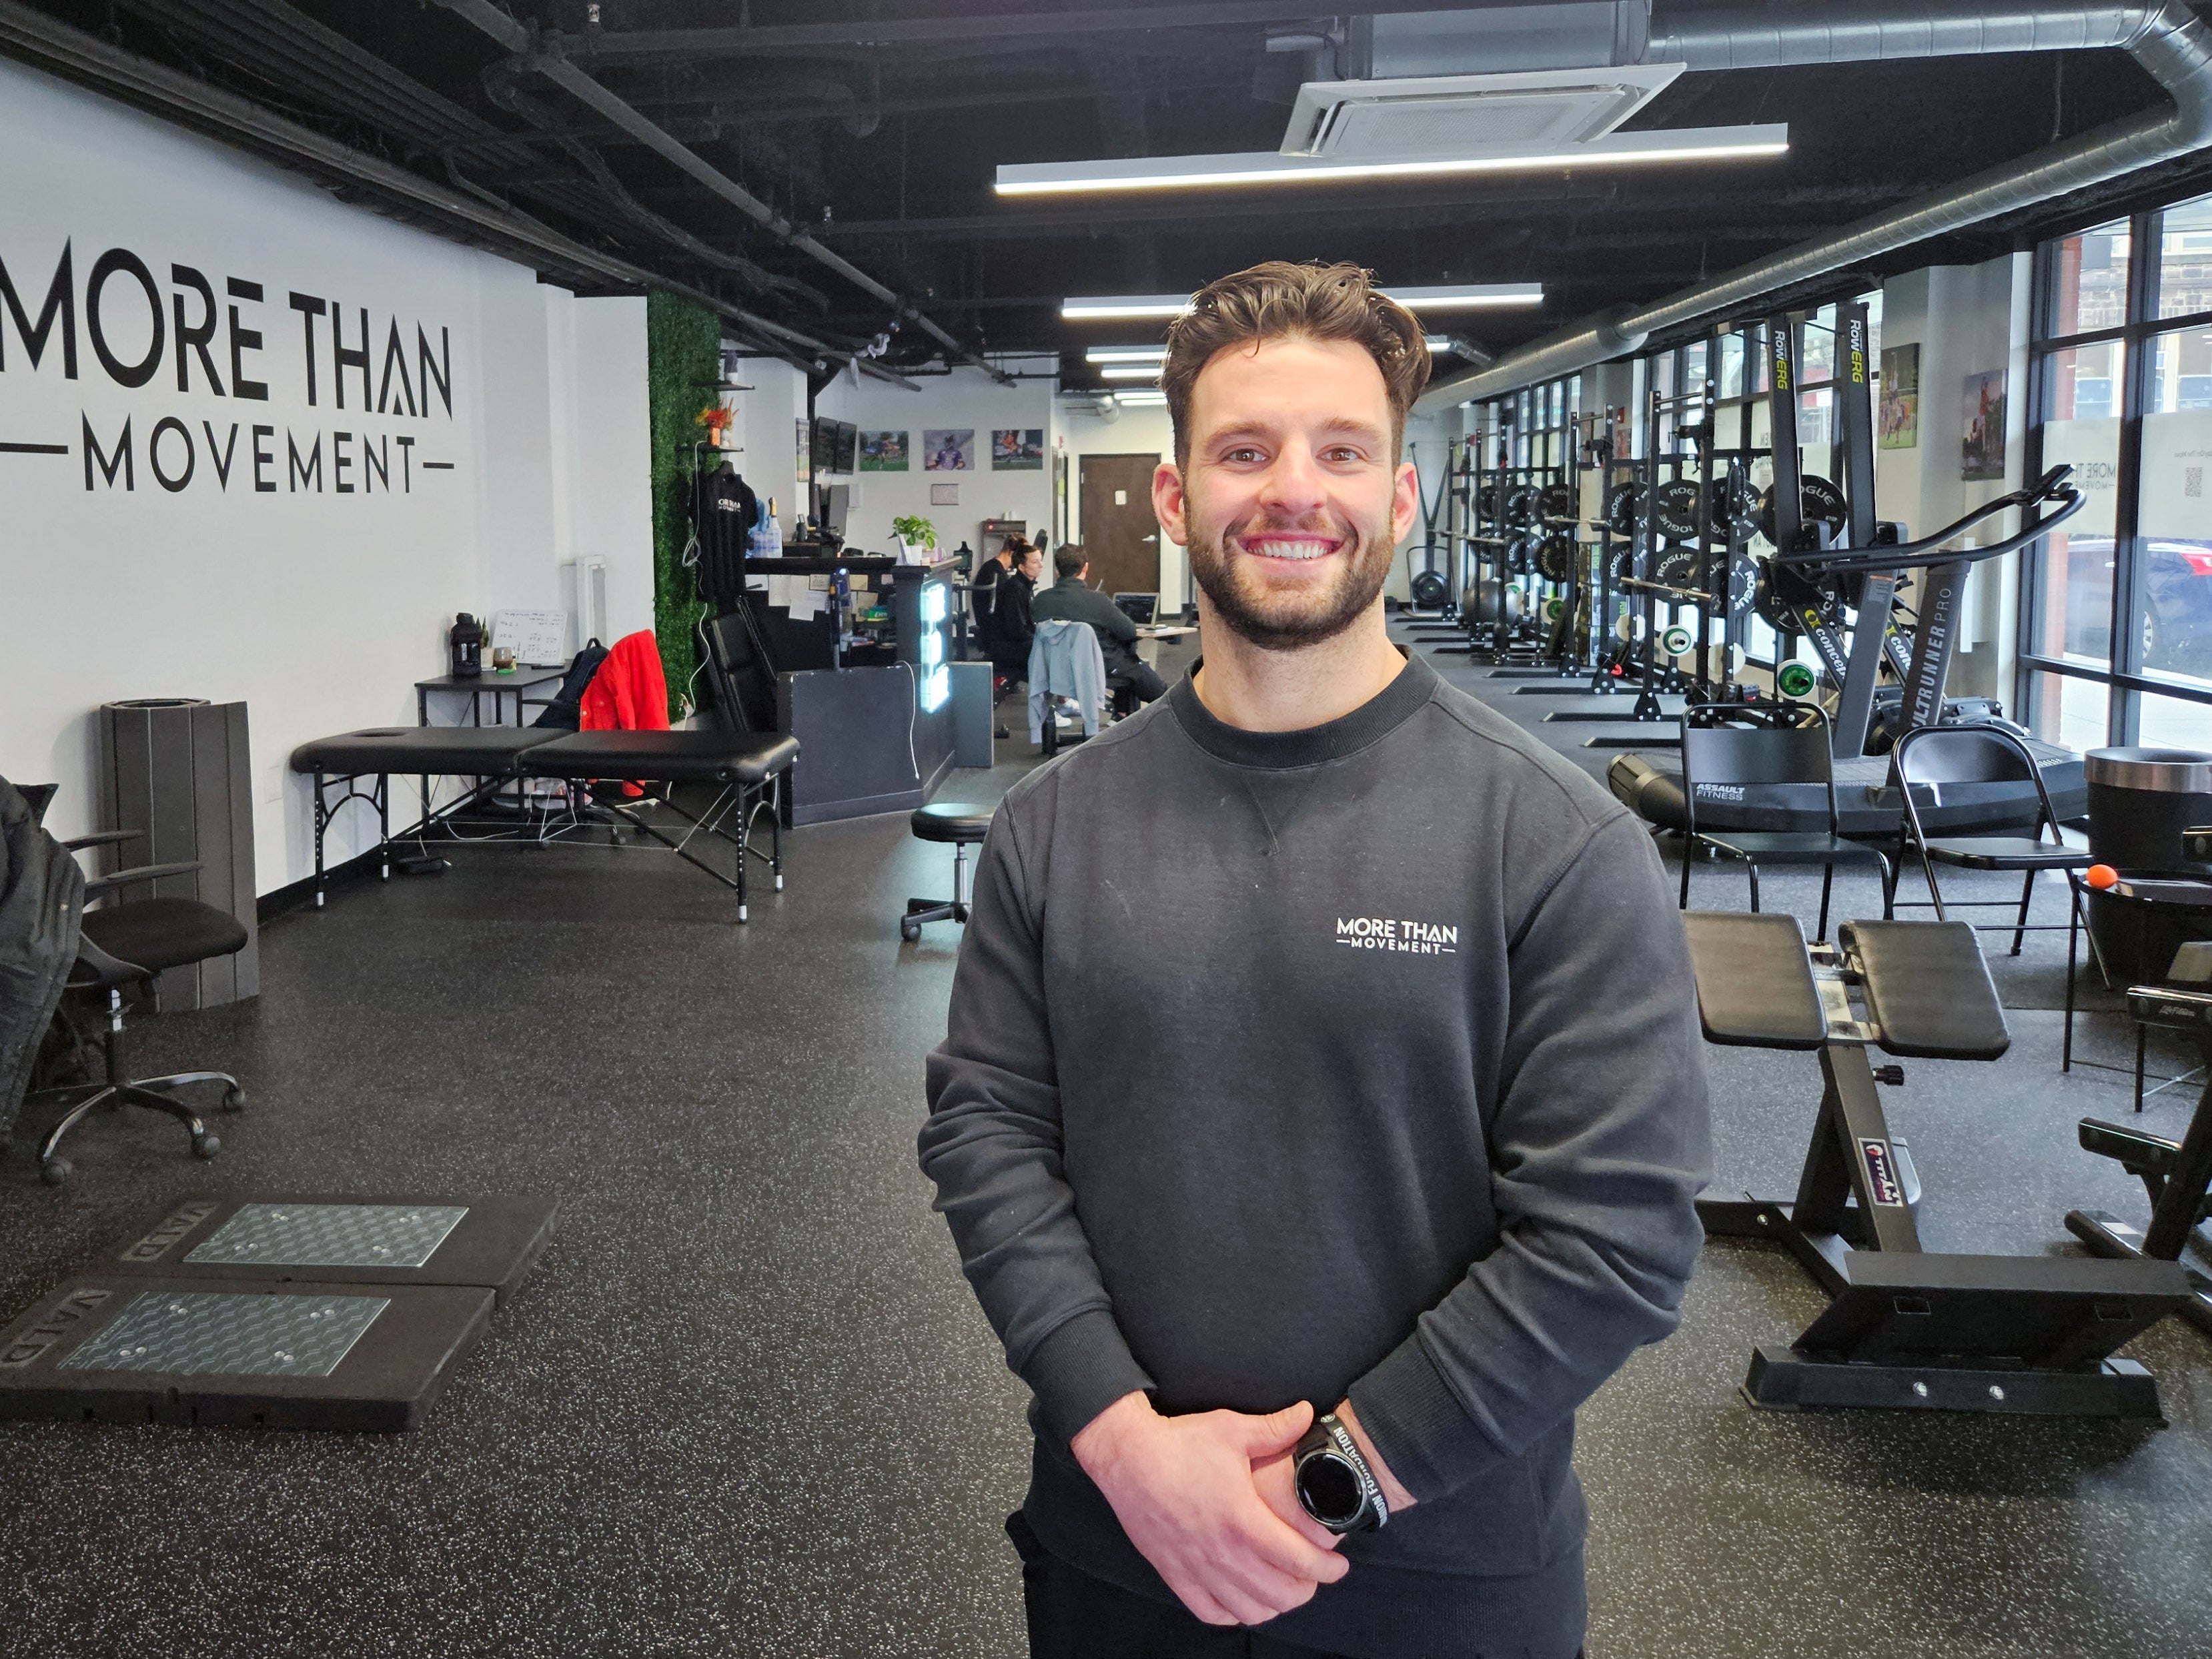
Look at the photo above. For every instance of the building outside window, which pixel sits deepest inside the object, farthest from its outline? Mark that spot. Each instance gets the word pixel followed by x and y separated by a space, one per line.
pixel 2116 621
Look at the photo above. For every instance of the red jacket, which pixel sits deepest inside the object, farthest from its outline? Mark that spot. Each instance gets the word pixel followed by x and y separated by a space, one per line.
pixel 629 693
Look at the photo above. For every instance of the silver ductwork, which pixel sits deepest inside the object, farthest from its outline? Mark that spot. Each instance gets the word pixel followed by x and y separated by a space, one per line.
pixel 2165 37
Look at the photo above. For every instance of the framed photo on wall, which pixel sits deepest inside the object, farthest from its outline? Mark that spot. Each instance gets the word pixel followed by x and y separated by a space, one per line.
pixel 1897 423
pixel 1982 438
pixel 948 449
pixel 1018 449
pixel 883 451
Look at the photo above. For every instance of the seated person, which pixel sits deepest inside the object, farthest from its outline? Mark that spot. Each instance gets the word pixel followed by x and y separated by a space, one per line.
pixel 1012 630
pixel 983 591
pixel 1071 599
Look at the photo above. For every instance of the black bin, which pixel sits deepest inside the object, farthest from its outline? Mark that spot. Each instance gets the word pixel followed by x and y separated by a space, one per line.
pixel 2141 802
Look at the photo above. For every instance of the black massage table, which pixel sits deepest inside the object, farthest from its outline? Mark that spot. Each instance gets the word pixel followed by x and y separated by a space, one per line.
pixel 745 769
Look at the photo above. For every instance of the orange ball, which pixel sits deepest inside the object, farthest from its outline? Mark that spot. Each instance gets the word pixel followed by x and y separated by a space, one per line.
pixel 2101 876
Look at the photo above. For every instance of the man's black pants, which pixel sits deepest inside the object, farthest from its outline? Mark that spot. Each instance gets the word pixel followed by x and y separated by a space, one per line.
pixel 1073 1615
pixel 1141 677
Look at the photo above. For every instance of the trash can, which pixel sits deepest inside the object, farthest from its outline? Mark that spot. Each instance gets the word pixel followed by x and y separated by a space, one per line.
pixel 2141 803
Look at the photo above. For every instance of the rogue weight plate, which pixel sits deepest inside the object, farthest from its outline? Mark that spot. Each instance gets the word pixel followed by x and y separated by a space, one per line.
pixel 1675 508
pixel 1554 608
pixel 1675 567
pixel 1519 555
pixel 1431 590
pixel 1486 502
pixel 1819 502
pixel 1742 585
pixel 1624 505
pixel 1675 642
pixel 1555 557
pixel 1520 503
pixel 1795 680
pixel 1557 501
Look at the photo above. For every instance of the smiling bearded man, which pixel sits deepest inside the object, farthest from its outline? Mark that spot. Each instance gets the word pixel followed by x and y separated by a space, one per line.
pixel 1308 1253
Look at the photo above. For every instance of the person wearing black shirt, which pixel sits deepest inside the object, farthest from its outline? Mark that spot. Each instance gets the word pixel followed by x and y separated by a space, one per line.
pixel 1072 599
pixel 1015 631
pixel 984 592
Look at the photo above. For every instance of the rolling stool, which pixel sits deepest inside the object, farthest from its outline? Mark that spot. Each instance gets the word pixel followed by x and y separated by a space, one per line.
pixel 962 826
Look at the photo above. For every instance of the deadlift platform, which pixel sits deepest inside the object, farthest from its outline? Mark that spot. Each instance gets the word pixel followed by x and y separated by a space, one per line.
pixel 274 1312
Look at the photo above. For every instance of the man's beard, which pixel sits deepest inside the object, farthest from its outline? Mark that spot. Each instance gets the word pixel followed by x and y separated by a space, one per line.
pixel 1276 621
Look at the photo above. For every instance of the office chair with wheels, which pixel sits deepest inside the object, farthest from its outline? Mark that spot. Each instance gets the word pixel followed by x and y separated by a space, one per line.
pixel 122 947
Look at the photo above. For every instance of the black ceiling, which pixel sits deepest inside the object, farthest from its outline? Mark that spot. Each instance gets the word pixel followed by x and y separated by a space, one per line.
pixel 883 151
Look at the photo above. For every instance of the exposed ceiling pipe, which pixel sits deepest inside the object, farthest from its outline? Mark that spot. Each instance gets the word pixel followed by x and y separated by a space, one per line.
pixel 2165 37
pixel 34 38
pixel 759 40
pixel 548 60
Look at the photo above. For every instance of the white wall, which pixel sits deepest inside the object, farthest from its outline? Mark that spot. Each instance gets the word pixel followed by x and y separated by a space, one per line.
pixel 764 425
pixel 964 398
pixel 317 599
pixel 1144 429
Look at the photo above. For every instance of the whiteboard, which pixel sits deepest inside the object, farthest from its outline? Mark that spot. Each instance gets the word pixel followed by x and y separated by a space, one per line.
pixel 539 639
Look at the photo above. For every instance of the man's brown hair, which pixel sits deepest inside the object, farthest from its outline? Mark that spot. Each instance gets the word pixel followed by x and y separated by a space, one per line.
pixel 1284 299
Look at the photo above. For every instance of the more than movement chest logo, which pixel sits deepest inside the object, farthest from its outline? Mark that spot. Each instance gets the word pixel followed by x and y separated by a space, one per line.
pixel 1425 938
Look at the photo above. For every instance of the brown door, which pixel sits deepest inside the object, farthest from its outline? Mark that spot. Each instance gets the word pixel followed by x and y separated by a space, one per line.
pixel 1119 535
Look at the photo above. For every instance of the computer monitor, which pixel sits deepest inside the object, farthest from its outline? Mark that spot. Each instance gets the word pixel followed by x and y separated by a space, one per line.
pixel 1142 609
pixel 848 445
pixel 837 501
pixel 822 446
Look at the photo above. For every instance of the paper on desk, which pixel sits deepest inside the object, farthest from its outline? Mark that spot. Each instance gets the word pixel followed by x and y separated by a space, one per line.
pixel 807 602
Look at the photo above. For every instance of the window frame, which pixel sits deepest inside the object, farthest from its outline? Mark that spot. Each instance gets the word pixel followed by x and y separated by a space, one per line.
pixel 2138 334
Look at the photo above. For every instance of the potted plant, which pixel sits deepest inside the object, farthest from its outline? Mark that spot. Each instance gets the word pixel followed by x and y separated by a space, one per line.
pixel 716 419
pixel 913 535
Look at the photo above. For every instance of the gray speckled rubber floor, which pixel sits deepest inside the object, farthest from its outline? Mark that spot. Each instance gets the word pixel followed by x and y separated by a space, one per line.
pixel 746 1404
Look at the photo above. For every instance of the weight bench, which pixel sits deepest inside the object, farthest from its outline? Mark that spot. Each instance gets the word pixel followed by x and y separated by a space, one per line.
pixel 745 769
pixel 2176 1174
pixel 1905 1330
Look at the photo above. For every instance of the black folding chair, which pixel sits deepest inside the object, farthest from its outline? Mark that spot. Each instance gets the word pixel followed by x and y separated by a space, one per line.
pixel 1751 745
pixel 1929 758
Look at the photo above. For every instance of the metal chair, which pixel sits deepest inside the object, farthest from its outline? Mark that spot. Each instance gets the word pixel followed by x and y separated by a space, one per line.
pixel 1929 758
pixel 1736 745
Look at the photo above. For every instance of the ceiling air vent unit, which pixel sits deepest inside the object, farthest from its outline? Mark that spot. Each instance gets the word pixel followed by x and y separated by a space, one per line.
pixel 1459 115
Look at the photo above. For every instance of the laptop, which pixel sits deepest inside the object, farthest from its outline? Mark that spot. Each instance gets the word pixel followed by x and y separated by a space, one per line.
pixel 1142 609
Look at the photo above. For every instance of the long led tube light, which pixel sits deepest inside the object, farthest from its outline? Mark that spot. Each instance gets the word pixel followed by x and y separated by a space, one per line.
pixel 1131 371
pixel 1449 297
pixel 1126 355
pixel 1267 167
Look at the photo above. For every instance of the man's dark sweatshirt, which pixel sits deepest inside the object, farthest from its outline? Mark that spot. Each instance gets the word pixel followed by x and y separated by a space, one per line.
pixel 1072 599
pixel 1361 1059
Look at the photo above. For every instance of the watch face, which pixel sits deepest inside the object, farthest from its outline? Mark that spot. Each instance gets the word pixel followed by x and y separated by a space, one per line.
pixel 1328 1489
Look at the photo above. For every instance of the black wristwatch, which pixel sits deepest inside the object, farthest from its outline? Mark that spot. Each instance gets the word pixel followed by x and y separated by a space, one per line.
pixel 1335 1485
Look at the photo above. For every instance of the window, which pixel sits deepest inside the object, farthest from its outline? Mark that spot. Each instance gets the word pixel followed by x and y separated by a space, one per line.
pixel 2074 582
pixel 2088 288
pixel 2184 261
pixel 2115 623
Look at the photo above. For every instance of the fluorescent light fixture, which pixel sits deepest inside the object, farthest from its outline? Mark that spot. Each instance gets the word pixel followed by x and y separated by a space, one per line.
pixel 1122 307
pixel 1453 296
pixel 1140 399
pixel 1131 371
pixel 1268 167
pixel 1463 296
pixel 1126 354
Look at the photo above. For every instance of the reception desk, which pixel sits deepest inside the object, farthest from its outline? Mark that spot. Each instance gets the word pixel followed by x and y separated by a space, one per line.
pixel 865 686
